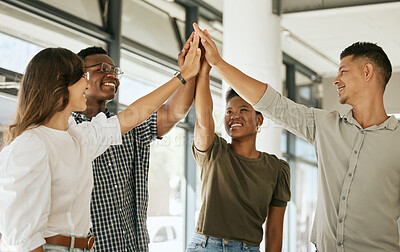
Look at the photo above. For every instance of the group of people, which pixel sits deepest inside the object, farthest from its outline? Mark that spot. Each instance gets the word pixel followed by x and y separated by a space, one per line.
pixel 73 176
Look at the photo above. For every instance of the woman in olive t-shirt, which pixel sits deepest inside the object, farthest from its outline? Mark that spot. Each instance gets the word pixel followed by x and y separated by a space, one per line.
pixel 241 186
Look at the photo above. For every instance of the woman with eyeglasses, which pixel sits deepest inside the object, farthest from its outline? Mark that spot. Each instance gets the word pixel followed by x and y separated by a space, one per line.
pixel 45 167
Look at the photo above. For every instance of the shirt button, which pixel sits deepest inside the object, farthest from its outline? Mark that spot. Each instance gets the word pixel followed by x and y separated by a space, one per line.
pixel 343 198
pixel 363 132
pixel 109 164
pixel 339 243
pixel 116 186
pixel 350 174
pixel 355 152
pixel 341 220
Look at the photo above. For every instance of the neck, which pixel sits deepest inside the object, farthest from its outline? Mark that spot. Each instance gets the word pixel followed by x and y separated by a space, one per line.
pixel 245 146
pixel 93 108
pixel 59 120
pixel 370 111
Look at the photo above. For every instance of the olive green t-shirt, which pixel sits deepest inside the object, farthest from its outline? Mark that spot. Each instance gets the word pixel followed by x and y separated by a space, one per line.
pixel 237 191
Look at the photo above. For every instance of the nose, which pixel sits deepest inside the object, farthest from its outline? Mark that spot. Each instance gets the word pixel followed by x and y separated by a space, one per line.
pixel 112 74
pixel 234 115
pixel 336 81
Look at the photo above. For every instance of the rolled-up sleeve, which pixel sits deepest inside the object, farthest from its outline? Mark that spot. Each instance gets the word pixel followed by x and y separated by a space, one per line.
pixel 25 189
pixel 295 117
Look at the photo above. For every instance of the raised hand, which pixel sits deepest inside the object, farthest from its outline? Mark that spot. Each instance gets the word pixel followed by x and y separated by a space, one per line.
pixel 211 52
pixel 205 66
pixel 191 62
pixel 185 50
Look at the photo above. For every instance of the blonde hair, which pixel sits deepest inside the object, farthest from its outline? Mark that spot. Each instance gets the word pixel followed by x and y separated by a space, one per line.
pixel 44 89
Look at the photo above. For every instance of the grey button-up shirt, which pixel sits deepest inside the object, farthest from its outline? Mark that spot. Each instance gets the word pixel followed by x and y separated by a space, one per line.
pixel 358 202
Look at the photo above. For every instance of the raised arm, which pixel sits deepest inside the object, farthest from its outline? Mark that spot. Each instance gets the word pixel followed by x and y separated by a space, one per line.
pixel 250 89
pixel 204 127
pixel 177 107
pixel 141 109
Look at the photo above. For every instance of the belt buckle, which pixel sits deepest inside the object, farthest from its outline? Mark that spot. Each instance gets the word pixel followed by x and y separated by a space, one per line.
pixel 90 243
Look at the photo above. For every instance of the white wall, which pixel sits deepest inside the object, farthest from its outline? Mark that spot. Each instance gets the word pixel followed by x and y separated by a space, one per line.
pixel 391 97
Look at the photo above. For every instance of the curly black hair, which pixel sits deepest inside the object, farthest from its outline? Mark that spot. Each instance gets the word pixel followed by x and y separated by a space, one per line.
pixel 91 50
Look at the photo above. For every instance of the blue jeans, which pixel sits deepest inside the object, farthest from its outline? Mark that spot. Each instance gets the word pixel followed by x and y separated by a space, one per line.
pixel 210 244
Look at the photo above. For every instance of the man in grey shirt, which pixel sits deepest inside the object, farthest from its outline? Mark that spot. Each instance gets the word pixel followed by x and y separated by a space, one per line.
pixel 358 202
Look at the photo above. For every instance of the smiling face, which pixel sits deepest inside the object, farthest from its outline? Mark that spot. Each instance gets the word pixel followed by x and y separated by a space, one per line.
pixel 102 87
pixel 349 80
pixel 77 97
pixel 241 119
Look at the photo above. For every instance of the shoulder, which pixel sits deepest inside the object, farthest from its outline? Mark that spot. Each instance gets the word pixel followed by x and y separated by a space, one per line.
pixel 27 148
pixel 278 163
pixel 30 139
pixel 272 158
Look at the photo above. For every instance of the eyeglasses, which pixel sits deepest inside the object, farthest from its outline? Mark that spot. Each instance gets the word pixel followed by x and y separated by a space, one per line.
pixel 86 76
pixel 108 69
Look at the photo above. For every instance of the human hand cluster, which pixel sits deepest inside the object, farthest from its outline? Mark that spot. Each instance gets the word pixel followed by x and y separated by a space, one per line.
pixel 189 58
pixel 209 52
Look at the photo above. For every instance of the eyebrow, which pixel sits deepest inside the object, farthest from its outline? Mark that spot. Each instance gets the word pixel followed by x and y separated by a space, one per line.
pixel 243 106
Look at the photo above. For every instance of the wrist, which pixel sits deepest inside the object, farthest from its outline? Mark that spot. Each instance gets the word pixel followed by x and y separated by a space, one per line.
pixel 205 73
pixel 185 75
pixel 219 63
pixel 181 78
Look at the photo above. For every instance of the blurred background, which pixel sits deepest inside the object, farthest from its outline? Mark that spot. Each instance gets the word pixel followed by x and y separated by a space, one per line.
pixel 144 37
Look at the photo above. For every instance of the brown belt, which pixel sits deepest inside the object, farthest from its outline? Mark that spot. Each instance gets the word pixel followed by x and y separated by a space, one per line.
pixel 84 243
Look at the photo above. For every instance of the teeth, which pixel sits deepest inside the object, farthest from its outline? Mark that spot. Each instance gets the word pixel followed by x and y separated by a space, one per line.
pixel 109 84
pixel 236 125
pixel 340 89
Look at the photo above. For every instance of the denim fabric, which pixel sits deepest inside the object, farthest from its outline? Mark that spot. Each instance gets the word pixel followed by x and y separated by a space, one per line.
pixel 210 244
pixel 57 248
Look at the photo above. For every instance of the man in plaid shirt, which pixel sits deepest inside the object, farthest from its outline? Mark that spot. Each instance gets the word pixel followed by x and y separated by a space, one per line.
pixel 120 194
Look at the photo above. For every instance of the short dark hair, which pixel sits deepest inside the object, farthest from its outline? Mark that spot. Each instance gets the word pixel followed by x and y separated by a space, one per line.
pixel 230 94
pixel 91 50
pixel 372 52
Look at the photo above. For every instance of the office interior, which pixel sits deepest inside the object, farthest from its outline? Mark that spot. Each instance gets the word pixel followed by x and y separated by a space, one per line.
pixel 292 45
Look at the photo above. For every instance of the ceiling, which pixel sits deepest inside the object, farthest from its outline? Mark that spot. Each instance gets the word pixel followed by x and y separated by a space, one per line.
pixel 315 31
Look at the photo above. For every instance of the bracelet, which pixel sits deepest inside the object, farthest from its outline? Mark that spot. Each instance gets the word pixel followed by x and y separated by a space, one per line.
pixel 179 76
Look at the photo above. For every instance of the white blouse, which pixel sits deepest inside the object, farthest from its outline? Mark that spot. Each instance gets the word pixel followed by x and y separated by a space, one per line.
pixel 46 180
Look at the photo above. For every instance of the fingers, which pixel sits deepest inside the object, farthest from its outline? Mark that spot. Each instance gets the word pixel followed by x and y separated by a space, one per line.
pixel 205 40
pixel 193 48
pixel 200 32
pixel 190 39
pixel 207 34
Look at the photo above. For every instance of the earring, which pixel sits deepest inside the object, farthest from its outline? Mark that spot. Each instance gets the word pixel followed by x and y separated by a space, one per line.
pixel 258 129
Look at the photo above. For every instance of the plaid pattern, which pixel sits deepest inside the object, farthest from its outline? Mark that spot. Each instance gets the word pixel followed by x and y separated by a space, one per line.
pixel 120 194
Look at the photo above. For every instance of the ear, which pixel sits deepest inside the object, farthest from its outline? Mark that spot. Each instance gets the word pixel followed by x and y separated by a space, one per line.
pixel 260 120
pixel 368 71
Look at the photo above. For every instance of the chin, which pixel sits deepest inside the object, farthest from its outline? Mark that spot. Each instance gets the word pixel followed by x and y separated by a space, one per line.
pixel 343 101
pixel 110 97
pixel 235 135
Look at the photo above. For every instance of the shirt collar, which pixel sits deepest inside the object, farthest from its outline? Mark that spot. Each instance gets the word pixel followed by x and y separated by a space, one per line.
pixel 390 123
pixel 85 118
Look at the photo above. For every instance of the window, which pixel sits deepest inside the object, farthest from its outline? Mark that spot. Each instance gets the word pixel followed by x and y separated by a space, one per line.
pixel 304 173
pixel 165 191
